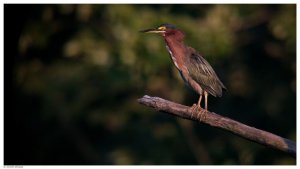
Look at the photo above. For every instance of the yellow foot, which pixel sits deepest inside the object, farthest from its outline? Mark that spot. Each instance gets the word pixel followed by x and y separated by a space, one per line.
pixel 202 115
pixel 193 109
pixel 199 112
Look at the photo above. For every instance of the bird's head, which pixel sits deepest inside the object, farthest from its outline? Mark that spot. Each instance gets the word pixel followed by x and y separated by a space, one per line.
pixel 165 30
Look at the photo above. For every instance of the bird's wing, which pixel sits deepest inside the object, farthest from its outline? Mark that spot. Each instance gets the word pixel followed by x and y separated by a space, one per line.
pixel 201 71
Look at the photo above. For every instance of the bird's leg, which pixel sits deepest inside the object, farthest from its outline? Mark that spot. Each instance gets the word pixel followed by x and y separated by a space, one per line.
pixel 205 95
pixel 199 101
pixel 201 111
pixel 205 111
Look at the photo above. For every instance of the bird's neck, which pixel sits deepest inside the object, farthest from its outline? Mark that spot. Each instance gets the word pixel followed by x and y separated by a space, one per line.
pixel 177 50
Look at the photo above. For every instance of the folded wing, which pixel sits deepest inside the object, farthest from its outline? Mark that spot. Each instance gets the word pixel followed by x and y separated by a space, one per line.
pixel 201 71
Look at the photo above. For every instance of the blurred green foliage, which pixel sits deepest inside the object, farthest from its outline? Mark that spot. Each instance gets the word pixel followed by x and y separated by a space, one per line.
pixel 77 71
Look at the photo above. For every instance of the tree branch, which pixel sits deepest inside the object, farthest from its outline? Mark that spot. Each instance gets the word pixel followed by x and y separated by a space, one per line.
pixel 215 120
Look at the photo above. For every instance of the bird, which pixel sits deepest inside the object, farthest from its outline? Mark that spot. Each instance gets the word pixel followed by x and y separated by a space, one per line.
pixel 196 72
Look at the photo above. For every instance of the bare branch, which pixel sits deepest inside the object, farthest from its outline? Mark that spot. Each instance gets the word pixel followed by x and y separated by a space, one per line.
pixel 215 120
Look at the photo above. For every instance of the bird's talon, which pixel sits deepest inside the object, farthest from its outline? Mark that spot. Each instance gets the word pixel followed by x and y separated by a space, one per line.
pixel 194 109
pixel 199 113
pixel 202 115
pixel 192 112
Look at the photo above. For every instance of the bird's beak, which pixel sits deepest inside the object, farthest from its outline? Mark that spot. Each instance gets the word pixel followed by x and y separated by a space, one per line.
pixel 152 31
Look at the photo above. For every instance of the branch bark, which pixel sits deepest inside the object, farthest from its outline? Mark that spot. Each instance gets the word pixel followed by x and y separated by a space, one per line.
pixel 215 120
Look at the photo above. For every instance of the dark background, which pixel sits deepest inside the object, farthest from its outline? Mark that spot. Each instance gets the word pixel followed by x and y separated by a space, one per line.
pixel 73 74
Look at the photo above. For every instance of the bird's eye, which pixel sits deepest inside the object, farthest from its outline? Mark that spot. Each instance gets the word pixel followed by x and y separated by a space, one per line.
pixel 162 28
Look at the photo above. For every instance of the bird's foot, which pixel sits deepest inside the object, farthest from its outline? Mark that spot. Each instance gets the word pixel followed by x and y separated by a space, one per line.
pixel 196 109
pixel 202 114
pixel 193 109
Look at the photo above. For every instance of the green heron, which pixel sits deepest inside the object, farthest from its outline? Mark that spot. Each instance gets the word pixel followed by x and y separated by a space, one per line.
pixel 193 68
